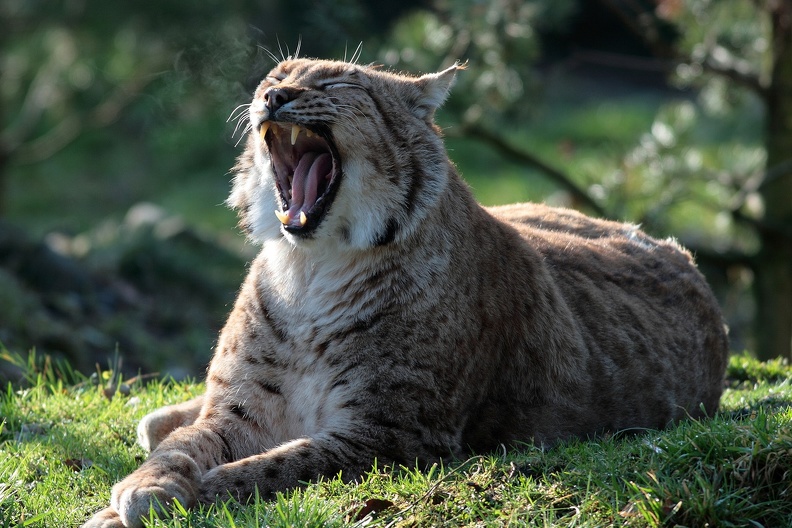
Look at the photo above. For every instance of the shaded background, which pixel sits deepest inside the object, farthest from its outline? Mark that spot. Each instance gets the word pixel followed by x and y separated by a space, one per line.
pixel 118 132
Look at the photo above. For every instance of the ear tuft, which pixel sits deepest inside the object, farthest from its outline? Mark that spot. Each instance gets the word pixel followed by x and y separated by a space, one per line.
pixel 435 88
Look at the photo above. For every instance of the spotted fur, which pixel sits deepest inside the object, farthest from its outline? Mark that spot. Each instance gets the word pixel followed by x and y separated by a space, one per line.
pixel 388 316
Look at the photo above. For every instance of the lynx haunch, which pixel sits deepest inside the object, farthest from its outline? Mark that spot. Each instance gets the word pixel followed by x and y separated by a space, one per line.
pixel 389 316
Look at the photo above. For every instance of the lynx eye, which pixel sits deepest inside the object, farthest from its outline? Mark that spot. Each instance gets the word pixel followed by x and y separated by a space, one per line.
pixel 339 84
pixel 274 79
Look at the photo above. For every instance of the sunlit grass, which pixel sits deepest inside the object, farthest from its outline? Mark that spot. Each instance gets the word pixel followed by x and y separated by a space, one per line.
pixel 62 446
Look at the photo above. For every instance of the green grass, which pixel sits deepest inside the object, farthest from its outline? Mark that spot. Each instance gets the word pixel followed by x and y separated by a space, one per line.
pixel 64 442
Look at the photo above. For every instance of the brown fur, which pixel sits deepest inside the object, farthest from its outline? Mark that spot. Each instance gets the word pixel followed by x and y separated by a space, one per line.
pixel 406 323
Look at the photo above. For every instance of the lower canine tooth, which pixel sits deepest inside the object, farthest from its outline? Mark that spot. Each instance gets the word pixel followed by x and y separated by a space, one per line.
pixel 294 133
pixel 283 217
pixel 303 219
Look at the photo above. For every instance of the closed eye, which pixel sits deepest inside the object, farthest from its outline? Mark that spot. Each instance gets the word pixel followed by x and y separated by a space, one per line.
pixel 274 80
pixel 334 85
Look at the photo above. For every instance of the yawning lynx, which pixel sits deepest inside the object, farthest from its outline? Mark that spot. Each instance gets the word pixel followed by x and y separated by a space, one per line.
pixel 391 317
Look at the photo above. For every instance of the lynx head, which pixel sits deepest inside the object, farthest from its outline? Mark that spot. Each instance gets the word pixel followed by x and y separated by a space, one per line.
pixel 342 154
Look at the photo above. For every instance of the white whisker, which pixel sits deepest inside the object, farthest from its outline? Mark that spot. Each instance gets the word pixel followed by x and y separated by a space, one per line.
pixel 247 129
pixel 280 48
pixel 244 118
pixel 351 110
pixel 231 115
pixel 270 54
pixel 358 51
pixel 345 116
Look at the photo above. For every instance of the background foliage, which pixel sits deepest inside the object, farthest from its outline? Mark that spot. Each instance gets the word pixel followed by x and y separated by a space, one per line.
pixel 115 145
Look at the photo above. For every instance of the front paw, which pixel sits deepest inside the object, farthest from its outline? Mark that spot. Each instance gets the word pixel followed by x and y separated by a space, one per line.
pixel 107 518
pixel 156 485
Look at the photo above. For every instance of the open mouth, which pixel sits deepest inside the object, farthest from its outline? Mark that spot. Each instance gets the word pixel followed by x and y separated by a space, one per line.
pixel 307 170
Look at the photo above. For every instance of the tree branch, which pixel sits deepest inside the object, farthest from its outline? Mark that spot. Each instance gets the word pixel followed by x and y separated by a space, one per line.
pixel 734 74
pixel 643 24
pixel 522 157
pixel 777 171
pixel 757 182
pixel 638 23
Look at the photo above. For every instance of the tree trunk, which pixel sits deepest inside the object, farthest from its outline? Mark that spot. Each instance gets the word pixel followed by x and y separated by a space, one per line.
pixel 5 157
pixel 3 180
pixel 774 266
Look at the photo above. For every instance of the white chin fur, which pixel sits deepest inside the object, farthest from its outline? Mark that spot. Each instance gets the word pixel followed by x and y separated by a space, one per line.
pixel 258 190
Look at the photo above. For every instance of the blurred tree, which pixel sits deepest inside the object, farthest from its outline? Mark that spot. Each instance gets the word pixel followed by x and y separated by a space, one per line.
pixel 499 42
pixel 497 39
pixel 73 67
pixel 738 52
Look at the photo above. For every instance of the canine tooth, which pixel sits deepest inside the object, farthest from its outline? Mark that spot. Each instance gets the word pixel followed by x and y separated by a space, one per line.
pixel 308 133
pixel 303 218
pixel 283 217
pixel 295 132
pixel 264 127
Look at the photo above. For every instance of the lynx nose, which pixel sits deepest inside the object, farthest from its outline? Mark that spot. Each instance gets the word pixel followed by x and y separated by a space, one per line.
pixel 275 97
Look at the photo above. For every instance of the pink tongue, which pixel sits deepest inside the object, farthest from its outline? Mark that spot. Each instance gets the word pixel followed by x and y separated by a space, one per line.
pixel 311 170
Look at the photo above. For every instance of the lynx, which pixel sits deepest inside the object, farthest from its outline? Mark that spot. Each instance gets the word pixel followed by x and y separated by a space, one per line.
pixel 390 317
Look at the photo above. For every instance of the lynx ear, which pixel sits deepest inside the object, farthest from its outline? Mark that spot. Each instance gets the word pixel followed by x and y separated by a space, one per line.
pixel 434 89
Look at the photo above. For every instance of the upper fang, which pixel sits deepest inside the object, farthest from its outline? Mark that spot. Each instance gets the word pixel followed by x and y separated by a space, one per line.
pixel 295 131
pixel 263 131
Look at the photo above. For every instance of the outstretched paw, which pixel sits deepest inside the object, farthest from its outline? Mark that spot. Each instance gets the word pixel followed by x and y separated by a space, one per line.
pixel 157 484
pixel 107 518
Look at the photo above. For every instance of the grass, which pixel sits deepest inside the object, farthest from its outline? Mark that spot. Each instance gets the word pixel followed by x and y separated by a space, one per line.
pixel 65 439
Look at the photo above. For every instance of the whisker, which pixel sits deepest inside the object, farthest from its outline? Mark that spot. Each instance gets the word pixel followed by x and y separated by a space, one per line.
pixel 231 115
pixel 351 109
pixel 357 54
pixel 247 129
pixel 346 115
pixel 240 121
pixel 348 111
pixel 299 45
pixel 270 54
pixel 280 48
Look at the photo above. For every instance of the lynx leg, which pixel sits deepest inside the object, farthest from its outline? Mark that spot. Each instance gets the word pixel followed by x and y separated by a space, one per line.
pixel 107 518
pixel 155 426
pixel 172 472
pixel 290 466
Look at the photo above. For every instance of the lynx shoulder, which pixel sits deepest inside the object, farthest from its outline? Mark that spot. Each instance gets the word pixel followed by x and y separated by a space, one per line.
pixel 389 316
